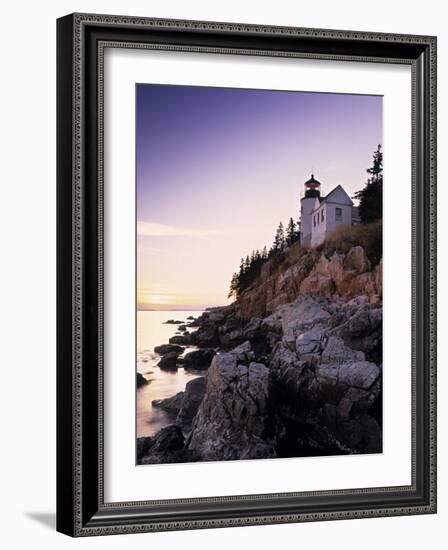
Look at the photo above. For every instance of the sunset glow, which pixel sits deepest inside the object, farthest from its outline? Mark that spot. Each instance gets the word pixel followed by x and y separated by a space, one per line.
pixel 217 169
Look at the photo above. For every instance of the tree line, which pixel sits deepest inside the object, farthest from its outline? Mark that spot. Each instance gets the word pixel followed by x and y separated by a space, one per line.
pixel 371 196
pixel 250 265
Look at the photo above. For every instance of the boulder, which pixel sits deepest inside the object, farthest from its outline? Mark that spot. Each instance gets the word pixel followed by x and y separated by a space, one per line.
pixel 362 329
pixel 193 395
pixel 180 339
pixel 198 359
pixel 336 352
pixel 309 342
pixel 168 361
pixel 360 374
pixel 170 404
pixel 166 447
pixel 168 348
pixel 233 419
pixel 205 336
pixel 141 380
pixel 143 446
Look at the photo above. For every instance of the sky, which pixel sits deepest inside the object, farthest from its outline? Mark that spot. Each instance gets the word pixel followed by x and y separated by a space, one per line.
pixel 219 168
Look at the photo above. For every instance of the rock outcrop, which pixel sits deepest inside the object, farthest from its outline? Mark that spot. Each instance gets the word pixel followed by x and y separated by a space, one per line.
pixel 167 446
pixel 233 419
pixel 192 398
pixel 321 386
pixel 292 368
pixel 319 392
pixel 304 271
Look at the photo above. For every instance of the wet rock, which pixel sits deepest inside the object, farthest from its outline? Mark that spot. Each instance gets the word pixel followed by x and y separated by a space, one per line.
pixel 168 361
pixel 170 404
pixel 141 380
pixel 198 359
pixel 168 348
pixel 180 339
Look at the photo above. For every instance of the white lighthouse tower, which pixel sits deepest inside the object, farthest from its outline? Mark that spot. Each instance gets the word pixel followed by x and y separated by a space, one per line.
pixel 308 204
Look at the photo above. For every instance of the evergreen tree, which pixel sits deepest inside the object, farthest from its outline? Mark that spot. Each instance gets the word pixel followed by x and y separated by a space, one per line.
pixel 234 284
pixel 291 232
pixel 371 196
pixel 279 240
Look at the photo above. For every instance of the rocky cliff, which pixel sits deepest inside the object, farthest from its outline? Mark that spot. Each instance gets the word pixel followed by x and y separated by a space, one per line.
pixel 292 368
pixel 304 271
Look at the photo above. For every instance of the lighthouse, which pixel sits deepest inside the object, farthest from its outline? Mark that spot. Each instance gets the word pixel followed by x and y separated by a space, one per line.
pixel 308 203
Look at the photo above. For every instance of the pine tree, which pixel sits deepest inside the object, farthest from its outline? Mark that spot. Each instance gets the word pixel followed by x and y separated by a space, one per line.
pixel 371 196
pixel 291 233
pixel 279 240
pixel 234 286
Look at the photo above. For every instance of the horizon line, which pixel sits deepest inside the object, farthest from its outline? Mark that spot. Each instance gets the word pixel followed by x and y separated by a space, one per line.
pixel 142 307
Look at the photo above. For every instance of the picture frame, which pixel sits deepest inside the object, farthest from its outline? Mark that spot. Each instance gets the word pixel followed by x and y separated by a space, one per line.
pixel 81 506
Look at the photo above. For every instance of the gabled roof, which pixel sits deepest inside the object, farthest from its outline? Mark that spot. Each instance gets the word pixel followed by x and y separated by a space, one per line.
pixel 327 198
pixel 334 190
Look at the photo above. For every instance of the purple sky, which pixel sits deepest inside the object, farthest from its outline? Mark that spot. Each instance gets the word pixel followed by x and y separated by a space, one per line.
pixel 218 168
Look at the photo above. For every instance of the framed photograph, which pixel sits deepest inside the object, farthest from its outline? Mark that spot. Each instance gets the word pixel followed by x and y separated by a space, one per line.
pixel 246 274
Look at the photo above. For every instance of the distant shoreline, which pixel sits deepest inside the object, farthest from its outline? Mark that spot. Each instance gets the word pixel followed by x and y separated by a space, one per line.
pixel 176 309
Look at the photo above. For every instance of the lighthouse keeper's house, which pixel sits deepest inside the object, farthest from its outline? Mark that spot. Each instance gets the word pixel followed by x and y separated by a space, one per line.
pixel 320 216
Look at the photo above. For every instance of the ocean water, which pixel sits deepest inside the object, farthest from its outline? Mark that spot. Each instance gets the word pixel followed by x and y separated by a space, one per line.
pixel 151 332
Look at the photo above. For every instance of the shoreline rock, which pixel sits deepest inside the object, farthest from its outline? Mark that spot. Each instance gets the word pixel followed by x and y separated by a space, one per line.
pixel 163 349
pixel 168 361
pixel 192 398
pixel 166 447
pixel 294 366
pixel 170 404
pixel 199 359
pixel 141 380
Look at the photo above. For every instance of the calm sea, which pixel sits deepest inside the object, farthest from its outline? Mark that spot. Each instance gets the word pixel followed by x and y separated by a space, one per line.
pixel 151 332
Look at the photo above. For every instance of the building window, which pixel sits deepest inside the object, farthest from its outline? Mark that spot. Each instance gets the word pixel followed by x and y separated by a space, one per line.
pixel 314 220
pixel 322 216
pixel 338 214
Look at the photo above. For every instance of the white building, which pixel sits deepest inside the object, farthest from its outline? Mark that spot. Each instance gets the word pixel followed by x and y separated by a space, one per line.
pixel 320 216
